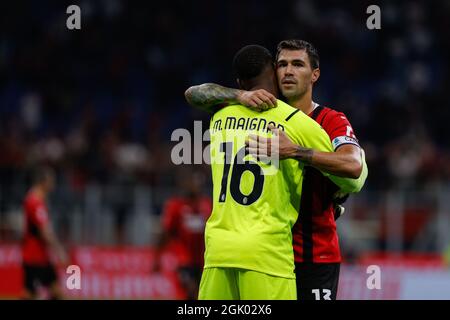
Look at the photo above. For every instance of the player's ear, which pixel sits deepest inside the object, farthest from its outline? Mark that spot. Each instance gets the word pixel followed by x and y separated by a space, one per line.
pixel 315 75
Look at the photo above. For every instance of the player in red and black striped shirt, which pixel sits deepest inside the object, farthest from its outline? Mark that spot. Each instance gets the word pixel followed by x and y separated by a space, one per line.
pixel 315 239
pixel 183 223
pixel 39 242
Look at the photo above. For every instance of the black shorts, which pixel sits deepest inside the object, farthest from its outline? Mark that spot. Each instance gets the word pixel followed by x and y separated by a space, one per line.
pixel 191 272
pixel 34 275
pixel 317 281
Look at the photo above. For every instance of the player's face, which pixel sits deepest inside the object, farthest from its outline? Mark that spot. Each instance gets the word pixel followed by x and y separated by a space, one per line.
pixel 294 73
pixel 195 184
pixel 50 182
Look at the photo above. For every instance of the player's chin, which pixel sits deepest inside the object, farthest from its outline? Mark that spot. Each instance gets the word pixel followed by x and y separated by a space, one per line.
pixel 288 89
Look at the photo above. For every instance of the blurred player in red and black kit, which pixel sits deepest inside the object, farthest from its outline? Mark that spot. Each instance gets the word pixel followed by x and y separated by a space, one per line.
pixel 183 222
pixel 39 242
pixel 315 240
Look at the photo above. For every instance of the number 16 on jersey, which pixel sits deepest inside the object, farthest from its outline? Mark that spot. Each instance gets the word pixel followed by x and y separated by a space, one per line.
pixel 240 166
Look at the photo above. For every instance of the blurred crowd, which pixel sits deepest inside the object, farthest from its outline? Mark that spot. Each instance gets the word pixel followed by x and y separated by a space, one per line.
pixel 100 103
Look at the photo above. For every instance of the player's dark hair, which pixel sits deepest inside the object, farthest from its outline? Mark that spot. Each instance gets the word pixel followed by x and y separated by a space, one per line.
pixel 42 173
pixel 295 44
pixel 250 61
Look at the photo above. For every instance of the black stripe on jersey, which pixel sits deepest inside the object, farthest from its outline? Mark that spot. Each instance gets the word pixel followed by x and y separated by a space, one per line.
pixel 34 230
pixel 316 113
pixel 306 216
pixel 290 116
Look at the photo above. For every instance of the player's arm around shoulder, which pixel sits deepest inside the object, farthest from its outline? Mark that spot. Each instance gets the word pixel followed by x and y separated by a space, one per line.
pixel 309 143
pixel 211 97
pixel 299 139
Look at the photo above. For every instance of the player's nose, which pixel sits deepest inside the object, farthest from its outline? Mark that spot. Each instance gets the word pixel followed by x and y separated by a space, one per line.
pixel 288 70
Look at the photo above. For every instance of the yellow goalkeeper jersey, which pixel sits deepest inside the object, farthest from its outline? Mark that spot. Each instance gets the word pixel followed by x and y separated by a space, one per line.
pixel 256 203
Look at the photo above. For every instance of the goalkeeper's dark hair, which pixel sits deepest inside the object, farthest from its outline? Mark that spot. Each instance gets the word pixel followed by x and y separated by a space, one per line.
pixel 250 61
pixel 295 44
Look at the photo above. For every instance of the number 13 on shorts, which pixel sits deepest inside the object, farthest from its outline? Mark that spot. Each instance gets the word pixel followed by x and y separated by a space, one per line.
pixel 326 294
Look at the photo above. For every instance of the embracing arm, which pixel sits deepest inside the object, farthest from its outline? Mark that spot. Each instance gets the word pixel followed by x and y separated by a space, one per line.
pixel 347 165
pixel 209 96
pixel 344 162
pixel 350 177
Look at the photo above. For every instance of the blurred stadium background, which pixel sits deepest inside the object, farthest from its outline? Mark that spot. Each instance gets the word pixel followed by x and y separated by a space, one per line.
pixel 99 104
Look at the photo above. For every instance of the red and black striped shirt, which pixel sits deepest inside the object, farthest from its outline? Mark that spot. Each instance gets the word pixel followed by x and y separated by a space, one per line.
pixel 315 237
